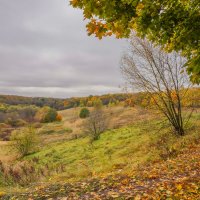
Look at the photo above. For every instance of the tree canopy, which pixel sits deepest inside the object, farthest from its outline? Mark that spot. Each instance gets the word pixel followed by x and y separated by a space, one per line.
pixel 174 24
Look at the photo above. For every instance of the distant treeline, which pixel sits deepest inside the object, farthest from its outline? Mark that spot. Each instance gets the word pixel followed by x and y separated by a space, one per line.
pixel 61 104
pixel 192 98
pixel 37 101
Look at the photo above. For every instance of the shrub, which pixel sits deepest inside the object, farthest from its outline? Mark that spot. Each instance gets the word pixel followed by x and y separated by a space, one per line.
pixel 46 115
pixel 37 125
pixel 24 141
pixel 5 135
pixel 68 130
pixel 50 116
pixel 58 118
pixel 5 132
pixel 28 113
pixel 12 114
pixel 84 113
pixel 16 122
pixel 3 125
pixel 2 116
pixel 98 103
pixel 96 124
pixel 26 172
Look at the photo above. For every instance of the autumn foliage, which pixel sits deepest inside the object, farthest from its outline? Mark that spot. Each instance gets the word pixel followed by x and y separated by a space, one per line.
pixel 172 24
pixel 176 178
pixel 58 118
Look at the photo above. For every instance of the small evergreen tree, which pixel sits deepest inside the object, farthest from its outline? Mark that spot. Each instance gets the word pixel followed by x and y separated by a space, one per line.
pixel 84 113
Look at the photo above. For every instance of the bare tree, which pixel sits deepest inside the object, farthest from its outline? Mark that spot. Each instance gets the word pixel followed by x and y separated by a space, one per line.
pixel 148 68
pixel 95 124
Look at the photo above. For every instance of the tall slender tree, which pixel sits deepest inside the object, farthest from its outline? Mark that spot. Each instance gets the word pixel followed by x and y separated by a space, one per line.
pixel 147 68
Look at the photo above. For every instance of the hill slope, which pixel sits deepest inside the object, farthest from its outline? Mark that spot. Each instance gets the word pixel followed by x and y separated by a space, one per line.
pixel 129 161
pixel 176 178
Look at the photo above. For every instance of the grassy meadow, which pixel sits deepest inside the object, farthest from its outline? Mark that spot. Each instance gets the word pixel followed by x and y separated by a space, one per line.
pixel 135 138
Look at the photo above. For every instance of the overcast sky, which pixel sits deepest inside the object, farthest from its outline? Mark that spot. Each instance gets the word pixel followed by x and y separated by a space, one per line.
pixel 45 51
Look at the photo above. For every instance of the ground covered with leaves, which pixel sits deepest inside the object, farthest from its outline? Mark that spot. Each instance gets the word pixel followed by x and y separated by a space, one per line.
pixel 176 178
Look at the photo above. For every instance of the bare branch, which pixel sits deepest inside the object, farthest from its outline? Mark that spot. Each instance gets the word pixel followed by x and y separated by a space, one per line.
pixel 148 68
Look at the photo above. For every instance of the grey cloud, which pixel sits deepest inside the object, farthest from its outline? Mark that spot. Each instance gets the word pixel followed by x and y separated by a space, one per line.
pixel 45 51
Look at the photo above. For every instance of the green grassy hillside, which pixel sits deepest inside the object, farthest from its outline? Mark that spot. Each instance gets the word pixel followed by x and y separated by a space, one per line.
pixel 63 158
pixel 116 150
pixel 175 178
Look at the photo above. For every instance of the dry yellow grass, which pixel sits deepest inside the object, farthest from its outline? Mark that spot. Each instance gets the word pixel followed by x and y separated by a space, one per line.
pixel 118 116
pixel 71 125
pixel 5 155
